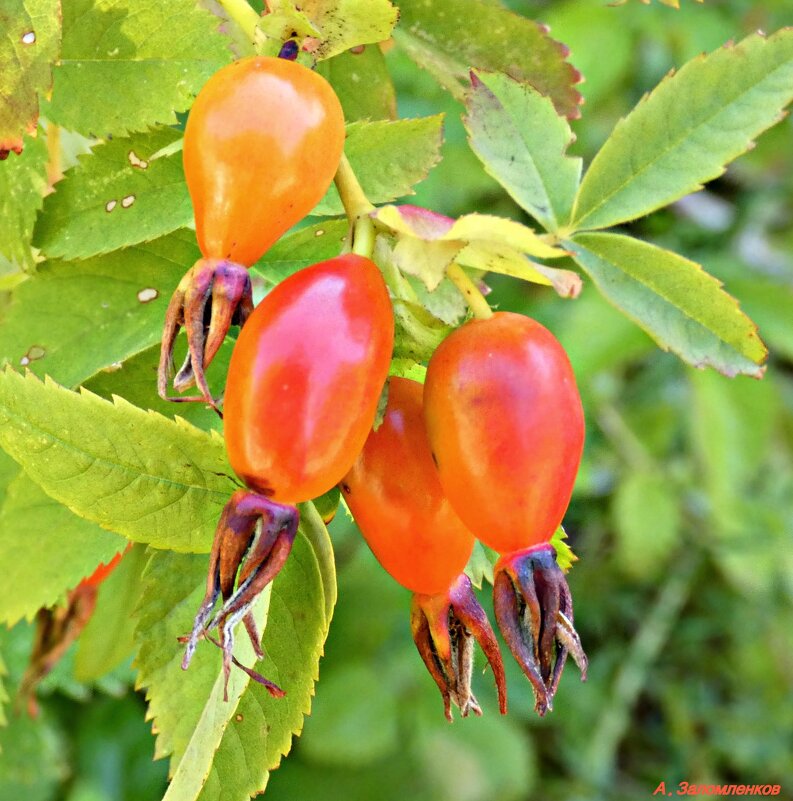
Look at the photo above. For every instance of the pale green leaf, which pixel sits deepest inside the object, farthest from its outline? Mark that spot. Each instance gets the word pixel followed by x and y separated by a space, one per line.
pixel 522 142
pixel 150 479
pixel 362 83
pixel 388 158
pixel 116 196
pixel 647 523
pixel 108 639
pixel 690 126
pixel 45 549
pixel 564 553
pixel 127 65
pixel 674 300
pixel 23 181
pixel 107 309
pixel 318 242
pixel 257 731
pixel 449 38
pixel 480 566
pixel 347 23
pixel 29 39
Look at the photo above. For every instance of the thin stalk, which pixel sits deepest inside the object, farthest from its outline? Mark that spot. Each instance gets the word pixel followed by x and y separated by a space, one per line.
pixel 240 12
pixel 357 207
pixel 479 307
pixel 355 202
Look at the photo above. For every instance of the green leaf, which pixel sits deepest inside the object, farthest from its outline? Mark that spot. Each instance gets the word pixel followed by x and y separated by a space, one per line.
pixel 23 181
pixel 45 549
pixel 256 731
pixel 480 566
pixel 678 304
pixel 417 333
pixel 388 158
pixel 451 37
pixel 564 553
pixel 150 479
pixel 128 65
pixel 685 132
pixel 108 639
pixel 647 523
pixel 107 309
pixel 28 46
pixel 135 379
pixel 522 142
pixel 297 250
pixel 116 196
pixel 362 83
pixel 347 23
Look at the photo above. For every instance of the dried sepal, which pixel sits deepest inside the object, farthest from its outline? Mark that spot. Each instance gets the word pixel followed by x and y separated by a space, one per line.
pixel 534 611
pixel 444 628
pixel 252 541
pixel 213 295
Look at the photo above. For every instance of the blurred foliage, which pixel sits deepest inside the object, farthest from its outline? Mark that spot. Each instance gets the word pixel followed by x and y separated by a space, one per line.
pixel 682 520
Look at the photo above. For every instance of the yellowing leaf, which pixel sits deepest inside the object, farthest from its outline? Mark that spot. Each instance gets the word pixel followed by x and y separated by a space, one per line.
pixel 429 242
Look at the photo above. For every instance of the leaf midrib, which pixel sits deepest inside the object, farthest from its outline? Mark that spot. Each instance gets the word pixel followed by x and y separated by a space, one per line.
pixel 676 143
pixel 10 415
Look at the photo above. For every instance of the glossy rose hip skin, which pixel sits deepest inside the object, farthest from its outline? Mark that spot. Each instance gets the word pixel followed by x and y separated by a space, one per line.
pixel 396 498
pixel 261 146
pixel 302 390
pixel 506 426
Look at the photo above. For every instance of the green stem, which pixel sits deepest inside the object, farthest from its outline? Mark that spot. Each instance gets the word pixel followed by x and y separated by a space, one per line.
pixel 479 307
pixel 240 12
pixel 357 207
pixel 355 202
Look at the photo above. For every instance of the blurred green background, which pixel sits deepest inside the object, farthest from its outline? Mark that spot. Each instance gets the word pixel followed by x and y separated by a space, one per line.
pixel 682 519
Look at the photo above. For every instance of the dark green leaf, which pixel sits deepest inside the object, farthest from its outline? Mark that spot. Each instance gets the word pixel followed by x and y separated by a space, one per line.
pixel 363 84
pixel 388 158
pixel 451 37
